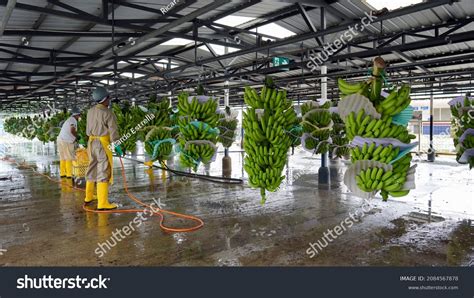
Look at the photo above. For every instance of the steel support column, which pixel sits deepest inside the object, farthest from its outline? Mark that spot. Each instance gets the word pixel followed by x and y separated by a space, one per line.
pixel 431 150
pixel 323 172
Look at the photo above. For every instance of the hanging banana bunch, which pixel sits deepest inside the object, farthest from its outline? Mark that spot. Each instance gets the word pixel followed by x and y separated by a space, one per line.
pixel 161 111
pixel 339 145
pixel 268 119
pixel 45 128
pixel 159 143
pixel 227 127
pixel 380 163
pixel 462 129
pixel 197 120
pixel 317 127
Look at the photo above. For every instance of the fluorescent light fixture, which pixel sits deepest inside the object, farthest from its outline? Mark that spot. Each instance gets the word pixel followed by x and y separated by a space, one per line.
pixel 165 61
pixel 101 73
pixel 274 30
pixel 220 50
pixel 177 42
pixel 130 75
pixel 391 4
pixel 107 82
pixel 233 21
pixel 164 64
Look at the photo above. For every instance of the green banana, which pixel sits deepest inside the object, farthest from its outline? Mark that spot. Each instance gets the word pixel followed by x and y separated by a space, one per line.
pixel 348 88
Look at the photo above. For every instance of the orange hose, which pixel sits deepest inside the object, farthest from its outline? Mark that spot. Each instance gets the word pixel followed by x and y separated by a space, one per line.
pixel 159 213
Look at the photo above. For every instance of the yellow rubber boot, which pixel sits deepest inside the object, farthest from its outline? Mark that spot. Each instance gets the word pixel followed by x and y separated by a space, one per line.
pixel 62 168
pixel 69 168
pixel 103 197
pixel 89 192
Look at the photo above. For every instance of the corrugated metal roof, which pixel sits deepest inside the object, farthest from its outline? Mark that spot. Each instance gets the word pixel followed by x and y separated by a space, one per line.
pixel 351 9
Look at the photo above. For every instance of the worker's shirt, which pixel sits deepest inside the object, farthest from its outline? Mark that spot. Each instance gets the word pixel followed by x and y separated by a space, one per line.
pixel 65 134
pixel 101 121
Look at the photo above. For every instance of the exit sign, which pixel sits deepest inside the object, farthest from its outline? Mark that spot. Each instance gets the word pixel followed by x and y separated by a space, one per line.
pixel 277 61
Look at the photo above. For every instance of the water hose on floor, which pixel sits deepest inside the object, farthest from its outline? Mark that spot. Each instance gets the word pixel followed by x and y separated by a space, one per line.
pixel 154 210
pixel 215 179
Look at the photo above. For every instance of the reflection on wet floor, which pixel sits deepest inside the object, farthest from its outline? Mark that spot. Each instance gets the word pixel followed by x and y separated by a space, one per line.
pixel 42 223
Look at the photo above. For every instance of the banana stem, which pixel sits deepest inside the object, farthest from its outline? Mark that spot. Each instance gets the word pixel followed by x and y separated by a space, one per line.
pixel 379 66
pixel 262 193
pixel 377 82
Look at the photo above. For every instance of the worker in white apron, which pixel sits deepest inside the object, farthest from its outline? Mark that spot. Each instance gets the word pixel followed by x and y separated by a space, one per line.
pixel 66 141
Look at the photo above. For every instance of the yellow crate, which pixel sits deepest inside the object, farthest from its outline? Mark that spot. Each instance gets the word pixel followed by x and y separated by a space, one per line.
pixel 81 156
pixel 79 170
pixel 79 166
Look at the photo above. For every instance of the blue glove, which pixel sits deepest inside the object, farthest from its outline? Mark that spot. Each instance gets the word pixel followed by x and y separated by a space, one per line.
pixel 119 151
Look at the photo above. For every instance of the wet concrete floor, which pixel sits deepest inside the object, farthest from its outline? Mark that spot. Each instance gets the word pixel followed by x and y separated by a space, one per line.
pixel 43 224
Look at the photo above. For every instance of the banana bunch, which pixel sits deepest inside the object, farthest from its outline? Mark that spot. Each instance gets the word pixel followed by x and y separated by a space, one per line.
pixel 203 151
pixel 227 129
pixel 361 124
pixel 128 118
pixel 384 154
pixel 266 141
pixel 313 104
pixel 316 119
pixel 154 147
pixel 319 118
pixel 462 111
pixel 396 101
pixel 365 126
pixel 468 142
pixel 318 140
pixel 45 128
pixel 161 111
pixel 462 120
pixel 271 127
pixel 347 88
pixel 388 182
pixel 194 153
pixel 187 161
pixel 205 112
pixel 339 145
pixel 265 169
pixel 269 98
pixel 198 131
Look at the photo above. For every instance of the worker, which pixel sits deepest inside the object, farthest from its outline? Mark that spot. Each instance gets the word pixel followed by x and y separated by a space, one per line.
pixel 102 129
pixel 66 140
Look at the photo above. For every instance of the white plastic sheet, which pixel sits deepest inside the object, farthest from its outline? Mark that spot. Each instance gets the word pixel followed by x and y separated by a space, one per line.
pixel 354 103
